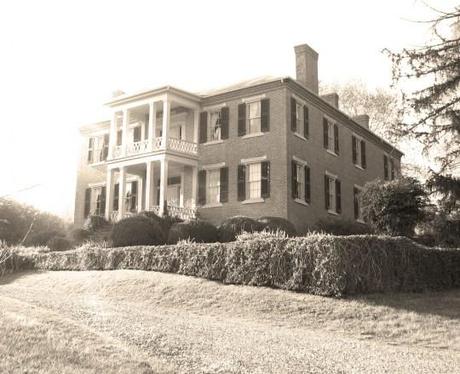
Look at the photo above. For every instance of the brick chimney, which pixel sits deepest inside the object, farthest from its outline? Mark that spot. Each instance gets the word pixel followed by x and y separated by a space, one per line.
pixel 306 63
pixel 362 119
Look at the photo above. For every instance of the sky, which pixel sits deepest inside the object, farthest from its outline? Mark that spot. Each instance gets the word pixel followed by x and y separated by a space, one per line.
pixel 61 60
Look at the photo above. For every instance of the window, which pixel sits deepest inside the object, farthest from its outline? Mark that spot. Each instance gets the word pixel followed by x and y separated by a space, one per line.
pixel 213 186
pixel 254 181
pixel 300 181
pixel 358 151
pixel 298 117
pixel 98 148
pixel 357 203
pixel 215 126
pixel 331 136
pixel 95 201
pixel 389 171
pixel 131 197
pixel 332 194
pixel 253 123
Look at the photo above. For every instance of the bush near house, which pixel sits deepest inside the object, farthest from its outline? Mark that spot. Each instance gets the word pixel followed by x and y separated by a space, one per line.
pixel 233 226
pixel 269 223
pixel 59 243
pixel 318 264
pixel 336 226
pixel 138 230
pixel 195 230
pixel 93 223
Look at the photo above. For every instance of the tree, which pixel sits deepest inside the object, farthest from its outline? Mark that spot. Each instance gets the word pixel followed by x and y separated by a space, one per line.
pixel 432 110
pixel 394 207
pixel 381 105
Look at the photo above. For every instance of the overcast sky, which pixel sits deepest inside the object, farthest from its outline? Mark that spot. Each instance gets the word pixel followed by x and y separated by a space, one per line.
pixel 60 60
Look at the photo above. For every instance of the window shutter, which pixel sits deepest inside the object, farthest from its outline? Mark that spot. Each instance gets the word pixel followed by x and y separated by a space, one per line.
pixel 224 117
pixel 241 119
pixel 355 202
pixel 265 183
pixel 223 185
pixel 336 139
pixel 325 134
pixel 137 134
pixel 293 115
pixel 241 182
pixel 105 150
pixel 146 126
pixel 295 192
pixel 133 202
pixel 353 149
pixel 116 192
pixel 203 127
pixel 87 202
pixel 119 137
pixel 202 187
pixel 103 200
pixel 392 169
pixel 307 184
pixel 265 115
pixel 326 191
pixel 306 122
pixel 363 154
pixel 338 197
pixel 385 167
pixel 90 150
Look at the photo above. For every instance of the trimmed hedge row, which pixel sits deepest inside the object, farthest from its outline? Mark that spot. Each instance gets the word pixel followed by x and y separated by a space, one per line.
pixel 318 264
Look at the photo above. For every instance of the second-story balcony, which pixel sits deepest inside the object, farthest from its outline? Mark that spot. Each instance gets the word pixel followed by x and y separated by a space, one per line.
pixel 155 145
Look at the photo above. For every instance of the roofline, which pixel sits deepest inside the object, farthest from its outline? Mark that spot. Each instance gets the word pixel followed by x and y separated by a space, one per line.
pixel 95 126
pixel 146 93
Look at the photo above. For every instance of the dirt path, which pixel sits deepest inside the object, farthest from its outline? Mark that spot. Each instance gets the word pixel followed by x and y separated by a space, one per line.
pixel 155 322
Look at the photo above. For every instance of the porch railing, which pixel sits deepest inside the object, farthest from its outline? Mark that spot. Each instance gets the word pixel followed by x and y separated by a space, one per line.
pixel 185 213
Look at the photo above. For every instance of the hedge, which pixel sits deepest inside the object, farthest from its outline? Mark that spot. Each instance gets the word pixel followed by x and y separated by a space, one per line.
pixel 318 264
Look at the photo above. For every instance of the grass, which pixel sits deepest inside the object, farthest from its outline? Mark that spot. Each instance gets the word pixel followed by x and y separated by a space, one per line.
pixel 135 321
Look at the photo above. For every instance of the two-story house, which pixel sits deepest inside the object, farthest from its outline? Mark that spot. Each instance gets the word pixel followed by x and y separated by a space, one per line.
pixel 270 146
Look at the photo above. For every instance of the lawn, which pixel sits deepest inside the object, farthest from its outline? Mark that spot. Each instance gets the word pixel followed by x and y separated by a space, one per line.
pixel 147 322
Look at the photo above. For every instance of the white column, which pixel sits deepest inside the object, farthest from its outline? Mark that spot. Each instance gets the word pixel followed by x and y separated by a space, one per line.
pixel 109 194
pixel 196 125
pixel 149 185
pixel 163 185
pixel 182 186
pixel 194 185
pixel 112 135
pixel 121 192
pixel 140 193
pixel 166 115
pixel 125 130
pixel 152 124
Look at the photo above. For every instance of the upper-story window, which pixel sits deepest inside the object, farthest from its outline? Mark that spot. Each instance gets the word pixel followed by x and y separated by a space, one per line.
pixel 98 148
pixel 358 146
pixel 330 136
pixel 254 117
pixel 332 194
pixel 299 118
pixel 213 185
pixel 253 180
pixel 389 169
pixel 214 125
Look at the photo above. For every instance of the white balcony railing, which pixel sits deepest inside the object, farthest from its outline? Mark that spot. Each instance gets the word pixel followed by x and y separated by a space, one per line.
pixel 144 146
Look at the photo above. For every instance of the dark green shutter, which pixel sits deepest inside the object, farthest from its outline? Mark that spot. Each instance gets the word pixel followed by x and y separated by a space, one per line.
pixel 116 193
pixel 293 115
pixel 326 191
pixel 241 119
pixel 338 197
pixel 203 127
pixel 265 115
pixel 224 184
pixel 133 202
pixel 202 187
pixel 325 134
pixel 241 182
pixel 146 126
pixel 295 192
pixel 385 167
pixel 336 139
pixel 87 209
pixel 265 183
pixel 307 184
pixel 353 149
pixel 363 154
pixel 306 122
pixel 224 117
pixel 90 150
pixel 355 202
pixel 102 201
pixel 119 137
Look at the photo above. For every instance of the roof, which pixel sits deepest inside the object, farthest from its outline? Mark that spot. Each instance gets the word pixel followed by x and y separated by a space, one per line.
pixel 240 85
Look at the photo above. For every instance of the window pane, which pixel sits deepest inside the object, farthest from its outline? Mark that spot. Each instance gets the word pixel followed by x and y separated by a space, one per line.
pixel 254 117
pixel 300 181
pixel 254 181
pixel 332 194
pixel 214 126
pixel 330 135
pixel 213 186
pixel 298 112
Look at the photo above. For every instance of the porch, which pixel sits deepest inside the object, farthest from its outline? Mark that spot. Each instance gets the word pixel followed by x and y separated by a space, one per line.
pixel 166 185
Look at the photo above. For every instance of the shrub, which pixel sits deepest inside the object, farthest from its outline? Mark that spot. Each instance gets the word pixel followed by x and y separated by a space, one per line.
pixel 137 230
pixel 277 224
pixel 41 238
pixel 80 235
pixel 59 243
pixel 231 227
pixel 195 230
pixel 165 222
pixel 337 226
pixel 94 223
pixel 395 207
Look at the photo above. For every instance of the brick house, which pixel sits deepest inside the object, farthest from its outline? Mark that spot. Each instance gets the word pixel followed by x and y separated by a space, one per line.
pixel 267 147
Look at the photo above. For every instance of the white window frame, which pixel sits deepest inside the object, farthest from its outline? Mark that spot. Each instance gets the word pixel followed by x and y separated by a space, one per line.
pixel 300 163
pixel 212 168
pixel 360 213
pixel 98 146
pixel 211 127
pixel 332 193
pixel 248 163
pixel 359 150
pixel 249 130
pixel 216 193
